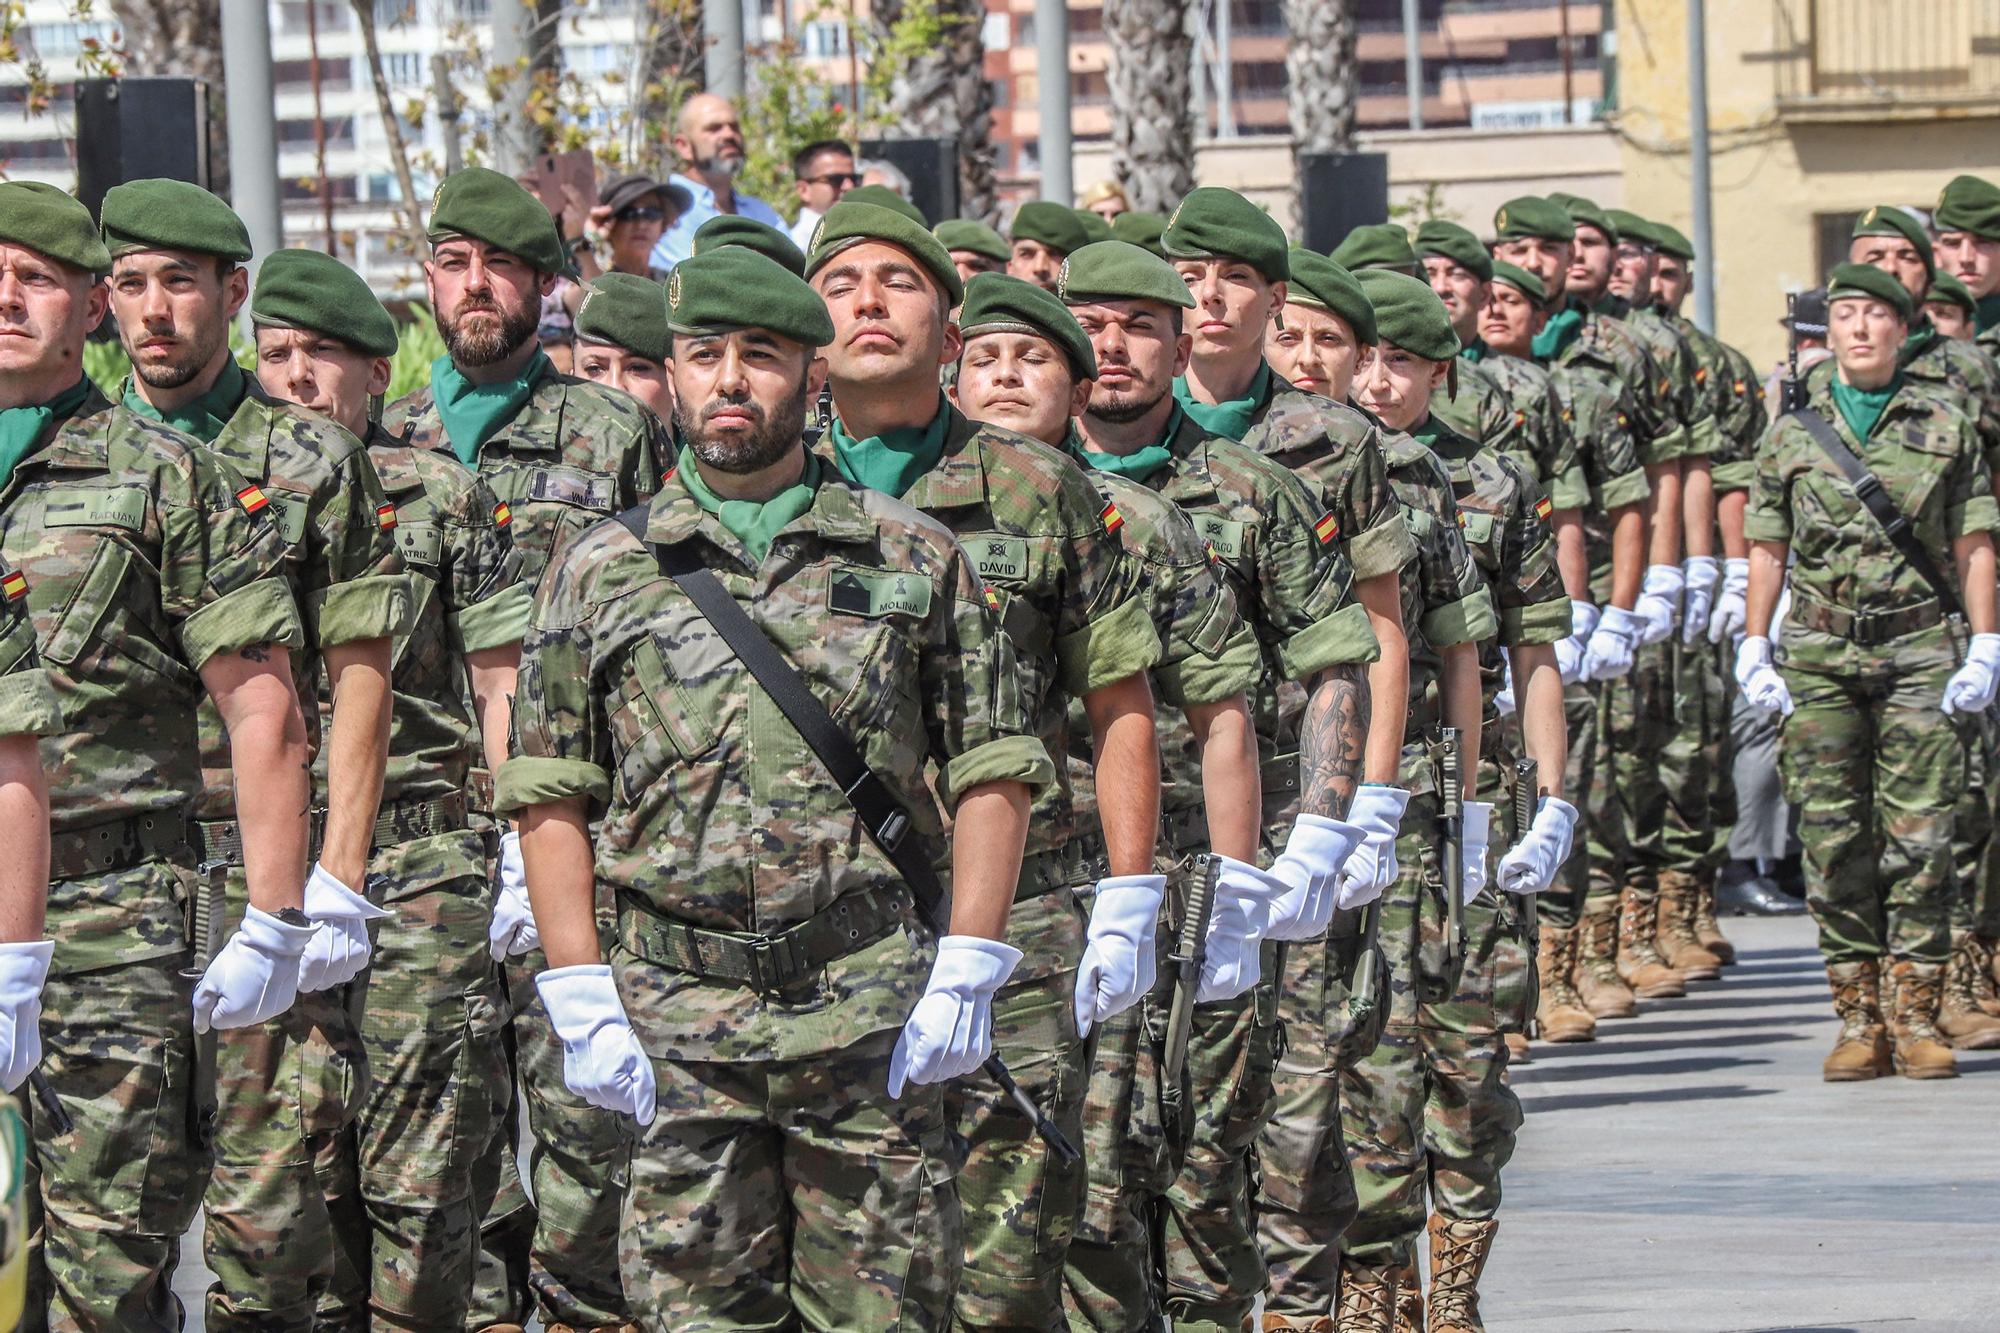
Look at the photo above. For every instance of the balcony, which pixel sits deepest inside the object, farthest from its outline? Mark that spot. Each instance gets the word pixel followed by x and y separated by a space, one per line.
pixel 1886 59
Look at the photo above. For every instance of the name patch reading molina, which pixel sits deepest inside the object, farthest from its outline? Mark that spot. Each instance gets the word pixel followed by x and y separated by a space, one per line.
pixel 873 592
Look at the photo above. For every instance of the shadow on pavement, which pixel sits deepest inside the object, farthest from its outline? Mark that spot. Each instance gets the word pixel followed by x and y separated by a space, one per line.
pixel 1583 1101
pixel 1569 1073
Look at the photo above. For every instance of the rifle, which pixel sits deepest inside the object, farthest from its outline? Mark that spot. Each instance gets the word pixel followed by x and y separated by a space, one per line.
pixel 211 910
pixel 1361 1000
pixel 1525 772
pixel 1204 875
pixel 1451 821
pixel 1792 389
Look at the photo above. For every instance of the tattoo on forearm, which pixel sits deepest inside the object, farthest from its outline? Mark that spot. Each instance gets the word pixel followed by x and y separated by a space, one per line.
pixel 256 652
pixel 1333 738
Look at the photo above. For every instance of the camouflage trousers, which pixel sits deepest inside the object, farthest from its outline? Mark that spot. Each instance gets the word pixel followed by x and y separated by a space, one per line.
pixel 789 1194
pixel 1563 903
pixel 1629 798
pixel 1975 904
pixel 1496 923
pixel 1020 1202
pixel 402 1186
pixel 1874 768
pixel 286 1091
pixel 1696 768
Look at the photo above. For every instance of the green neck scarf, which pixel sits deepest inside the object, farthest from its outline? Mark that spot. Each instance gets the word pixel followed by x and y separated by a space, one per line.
pixel 890 463
pixel 1474 350
pixel 474 413
pixel 202 417
pixel 1558 333
pixel 1135 466
pixel 1232 419
pixel 1861 409
pixel 755 522
pixel 20 427
pixel 1919 337
pixel 1986 312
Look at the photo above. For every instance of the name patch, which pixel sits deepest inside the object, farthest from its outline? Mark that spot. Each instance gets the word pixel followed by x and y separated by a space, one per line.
pixel 117 507
pixel 290 511
pixel 420 543
pixel 999 557
pixel 878 593
pixel 1224 535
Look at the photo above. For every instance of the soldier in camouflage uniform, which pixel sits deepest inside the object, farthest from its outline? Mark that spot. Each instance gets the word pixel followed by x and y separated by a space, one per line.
pixel 767 953
pixel 561 453
pixel 434 1022
pixel 1872 686
pixel 1069 601
pixel 622 340
pixel 154 579
pixel 28 711
pixel 289 1087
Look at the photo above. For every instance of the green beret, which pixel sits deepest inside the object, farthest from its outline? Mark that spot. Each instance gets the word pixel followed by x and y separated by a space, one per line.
pixel 735 229
pixel 1631 227
pixel 1850 280
pixel 1673 241
pixel 1319 282
pixel 846 225
pixel 49 222
pixel 1377 245
pixel 1095 227
pixel 1969 204
pixel 308 289
pixel 1052 224
pixel 734 287
pixel 1944 287
pixel 1450 241
pixel 1119 271
pixel 172 215
pixel 1531 217
pixel 883 197
pixel 996 303
pixel 1213 222
pixel 1408 314
pixel 629 311
pixel 1521 280
pixel 1140 229
pixel 974 237
pixel 1889 220
pixel 494 208
pixel 1586 212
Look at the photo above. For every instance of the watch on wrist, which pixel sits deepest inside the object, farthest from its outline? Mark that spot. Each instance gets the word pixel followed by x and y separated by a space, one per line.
pixel 293 916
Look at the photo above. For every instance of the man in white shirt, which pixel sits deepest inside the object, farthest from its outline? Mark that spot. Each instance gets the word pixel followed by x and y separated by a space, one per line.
pixel 708 140
pixel 821 173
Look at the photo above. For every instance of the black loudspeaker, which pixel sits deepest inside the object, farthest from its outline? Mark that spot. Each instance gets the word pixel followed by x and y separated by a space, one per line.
pixel 1342 191
pixel 931 165
pixel 136 129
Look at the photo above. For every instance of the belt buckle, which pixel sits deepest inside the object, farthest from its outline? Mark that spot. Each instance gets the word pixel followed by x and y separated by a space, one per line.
pixel 774 962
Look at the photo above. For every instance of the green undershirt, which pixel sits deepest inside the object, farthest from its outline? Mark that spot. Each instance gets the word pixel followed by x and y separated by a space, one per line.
pixel 202 417
pixel 20 427
pixel 1138 464
pixel 755 522
pixel 890 463
pixel 1986 311
pixel 1231 419
pixel 1862 409
pixel 1558 334
pixel 474 413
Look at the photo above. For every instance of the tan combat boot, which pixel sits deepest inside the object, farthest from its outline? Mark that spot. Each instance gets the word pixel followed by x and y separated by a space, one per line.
pixel 1985 991
pixel 1862 1049
pixel 1960 1019
pixel 1367 1298
pixel 1640 965
pixel 1706 928
pixel 1602 990
pixel 1685 954
pixel 1919 1048
pixel 1458 1253
pixel 1560 1014
pixel 1278 1323
pixel 1407 1304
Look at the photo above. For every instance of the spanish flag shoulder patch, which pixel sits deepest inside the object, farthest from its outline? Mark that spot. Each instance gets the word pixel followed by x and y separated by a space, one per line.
pixel 1544 507
pixel 385 516
pixel 503 514
pixel 1112 519
pixel 992 597
pixel 13 585
pixel 253 499
pixel 1327 528
pixel 1461 518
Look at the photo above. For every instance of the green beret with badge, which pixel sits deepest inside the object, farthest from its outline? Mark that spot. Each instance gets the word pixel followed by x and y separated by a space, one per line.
pixel 172 215
pixel 973 237
pixel 1950 290
pixel 50 222
pixel 1408 314
pixel 735 229
pixel 1095 228
pixel 1587 213
pixel 495 208
pixel 628 311
pixel 1520 280
pixel 309 289
pixel 1673 241
pixel 1448 240
pixel 883 197
pixel 1377 245
pixel 1531 217
pixel 1889 220
pixel 1969 204
pixel 1141 229
pixel 1050 224
pixel 1321 283
pixel 997 303
pixel 733 287
pixel 1857 280
pixel 848 225
pixel 1117 271
pixel 1216 223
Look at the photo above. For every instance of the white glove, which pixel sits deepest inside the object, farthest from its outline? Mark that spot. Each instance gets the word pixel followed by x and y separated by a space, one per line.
pixel 1532 864
pixel 1732 604
pixel 1659 602
pixel 950 1030
pixel 23 969
pixel 1477 833
pixel 339 947
pixel 512 932
pixel 1118 960
pixel 1970 688
pixel 1762 685
pixel 255 976
pixel 1310 866
pixel 1237 925
pixel 1609 654
pixel 1371 867
pixel 1570 652
pixel 603 1062
pixel 1701 575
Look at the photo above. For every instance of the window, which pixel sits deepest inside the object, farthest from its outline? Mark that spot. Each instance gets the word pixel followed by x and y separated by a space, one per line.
pixel 996 32
pixel 825 38
pixel 403 69
pixel 67 39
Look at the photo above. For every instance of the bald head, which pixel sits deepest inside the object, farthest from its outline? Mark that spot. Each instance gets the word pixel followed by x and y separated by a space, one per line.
pixel 708 139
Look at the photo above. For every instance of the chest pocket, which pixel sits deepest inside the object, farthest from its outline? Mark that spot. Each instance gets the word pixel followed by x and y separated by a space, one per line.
pixel 96 625
pixel 552 502
pixel 657 722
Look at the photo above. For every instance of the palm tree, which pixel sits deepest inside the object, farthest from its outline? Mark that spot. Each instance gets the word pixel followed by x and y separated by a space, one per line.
pixel 1323 80
pixel 1152 100
pixel 940 89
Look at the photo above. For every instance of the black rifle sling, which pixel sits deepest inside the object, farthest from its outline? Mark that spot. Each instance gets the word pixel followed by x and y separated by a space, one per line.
pixel 1869 490
pixel 882 814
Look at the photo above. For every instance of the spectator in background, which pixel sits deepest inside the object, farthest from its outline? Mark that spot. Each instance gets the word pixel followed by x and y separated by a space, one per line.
pixel 875 171
pixel 821 173
pixel 632 214
pixel 1807 327
pixel 1107 200
pixel 708 140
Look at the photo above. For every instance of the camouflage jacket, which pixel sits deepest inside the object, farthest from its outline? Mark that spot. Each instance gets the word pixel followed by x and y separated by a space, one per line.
pixel 1685 388
pixel 1595 410
pixel 143 557
pixel 1610 351
pixel 28 705
pixel 1505 517
pixel 1724 377
pixel 1926 453
pixel 1483 410
pixel 1952 366
pixel 576 453
pixel 467 595
pixel 1549 449
pixel 340 553
pixel 713 809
